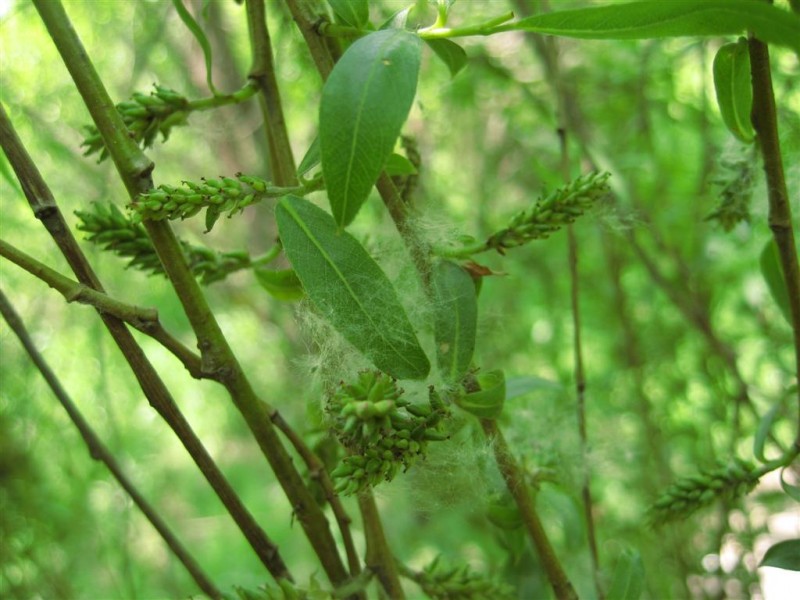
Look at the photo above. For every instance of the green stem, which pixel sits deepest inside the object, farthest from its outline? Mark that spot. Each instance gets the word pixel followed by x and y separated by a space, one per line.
pixel 379 558
pixel 515 482
pixel 282 166
pixel 247 91
pixel 218 359
pixel 489 27
pixel 73 291
pixel 45 208
pixel 765 122
pixel 99 452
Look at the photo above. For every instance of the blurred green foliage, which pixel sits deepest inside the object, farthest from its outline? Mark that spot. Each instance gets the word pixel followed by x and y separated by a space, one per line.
pixel 661 391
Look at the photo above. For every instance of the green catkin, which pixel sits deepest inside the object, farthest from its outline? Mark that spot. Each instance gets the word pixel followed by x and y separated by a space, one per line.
pixel 223 195
pixel 551 213
pixel 108 227
pixel 145 116
pixel 691 493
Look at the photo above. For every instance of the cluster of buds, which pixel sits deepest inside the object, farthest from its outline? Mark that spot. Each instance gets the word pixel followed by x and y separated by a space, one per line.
pixel 381 431
pixel 552 212
pixel 443 582
pixel 145 116
pixel 735 194
pixel 689 494
pixel 222 195
pixel 109 228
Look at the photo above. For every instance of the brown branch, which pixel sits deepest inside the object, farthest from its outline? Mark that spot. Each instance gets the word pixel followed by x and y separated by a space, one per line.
pixel 765 122
pixel 218 359
pixel 46 209
pixel 99 452
pixel 318 472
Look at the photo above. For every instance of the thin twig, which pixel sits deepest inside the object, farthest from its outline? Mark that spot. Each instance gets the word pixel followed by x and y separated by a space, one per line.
pixel 143 319
pixel 99 452
pixel 379 558
pixel 318 472
pixel 516 484
pixel 262 72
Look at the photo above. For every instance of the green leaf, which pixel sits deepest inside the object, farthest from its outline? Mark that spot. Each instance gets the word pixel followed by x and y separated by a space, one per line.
pixel 450 53
pixel 519 386
pixel 627 582
pixel 676 18
pixel 201 38
pixel 764 427
pixel 783 555
pixel 351 12
pixel 399 165
pixel 364 104
pixel 792 491
pixel 283 285
pixel 734 92
pixel 349 289
pixel 455 319
pixel 310 160
pixel 773 275
pixel 487 403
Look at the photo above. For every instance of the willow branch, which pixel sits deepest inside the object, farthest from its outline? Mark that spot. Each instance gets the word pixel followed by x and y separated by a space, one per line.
pixel 46 209
pixel 765 122
pixel 99 452
pixel 217 357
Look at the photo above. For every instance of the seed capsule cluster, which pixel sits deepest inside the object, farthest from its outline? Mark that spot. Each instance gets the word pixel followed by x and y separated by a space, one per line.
pixel 689 494
pixel 440 581
pixel 381 430
pixel 552 212
pixel 108 227
pixel 145 116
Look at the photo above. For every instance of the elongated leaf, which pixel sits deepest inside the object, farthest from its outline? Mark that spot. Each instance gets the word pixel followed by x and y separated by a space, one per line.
pixel 734 92
pixel 783 555
pixel 455 319
pixel 628 580
pixel 773 275
pixel 283 285
pixel 450 53
pixel 675 18
pixel 488 402
pixel 364 104
pixel 349 289
pixel 399 165
pixel 519 386
pixel 201 38
pixel 311 158
pixel 793 491
pixel 764 427
pixel 351 12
